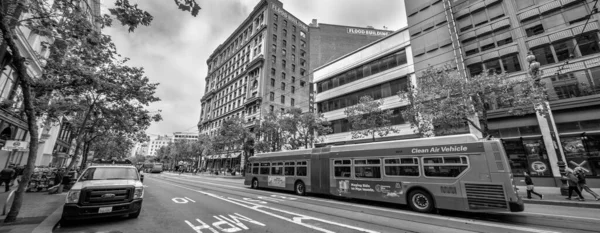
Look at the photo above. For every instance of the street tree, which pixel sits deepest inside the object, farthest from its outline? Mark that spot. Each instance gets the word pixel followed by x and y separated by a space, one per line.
pixel 367 119
pixel 442 98
pixel 270 134
pixel 304 129
pixel 232 135
pixel 62 24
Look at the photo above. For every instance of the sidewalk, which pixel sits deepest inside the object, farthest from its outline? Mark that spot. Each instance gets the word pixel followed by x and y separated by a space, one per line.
pixel 38 212
pixel 552 197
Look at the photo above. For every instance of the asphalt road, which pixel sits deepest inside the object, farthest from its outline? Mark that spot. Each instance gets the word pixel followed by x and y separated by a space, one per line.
pixel 184 203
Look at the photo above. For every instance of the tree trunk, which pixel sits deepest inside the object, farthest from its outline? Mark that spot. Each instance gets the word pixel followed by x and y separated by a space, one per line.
pixel 86 150
pixel 484 127
pixel 25 83
pixel 78 138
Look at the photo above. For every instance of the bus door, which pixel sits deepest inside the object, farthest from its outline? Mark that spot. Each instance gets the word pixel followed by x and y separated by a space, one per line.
pixel 319 173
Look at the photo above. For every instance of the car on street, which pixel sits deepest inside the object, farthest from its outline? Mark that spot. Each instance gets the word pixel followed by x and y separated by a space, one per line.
pixel 105 190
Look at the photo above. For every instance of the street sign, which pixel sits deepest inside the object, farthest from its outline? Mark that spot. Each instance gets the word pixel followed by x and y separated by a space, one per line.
pixel 16 145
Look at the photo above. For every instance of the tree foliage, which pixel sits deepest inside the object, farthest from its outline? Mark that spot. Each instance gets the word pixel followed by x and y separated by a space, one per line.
pixel 443 98
pixel 367 119
pixel 70 28
pixel 303 129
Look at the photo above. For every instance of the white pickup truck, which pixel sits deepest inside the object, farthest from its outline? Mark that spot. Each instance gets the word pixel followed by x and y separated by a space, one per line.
pixel 104 191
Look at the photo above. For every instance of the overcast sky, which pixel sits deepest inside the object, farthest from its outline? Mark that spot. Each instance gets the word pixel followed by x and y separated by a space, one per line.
pixel 174 49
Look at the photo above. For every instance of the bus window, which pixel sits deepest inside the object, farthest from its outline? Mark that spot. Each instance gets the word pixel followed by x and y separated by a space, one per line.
pixel 301 168
pixel 255 167
pixel 342 168
pixel 448 166
pixel 289 169
pixel 368 169
pixel 277 168
pixel 401 167
pixel 264 168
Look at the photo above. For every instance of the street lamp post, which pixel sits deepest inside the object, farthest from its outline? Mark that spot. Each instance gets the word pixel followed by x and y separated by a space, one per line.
pixel 536 75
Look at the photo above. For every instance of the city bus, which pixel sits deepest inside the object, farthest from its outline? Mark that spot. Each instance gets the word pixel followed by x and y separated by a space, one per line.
pixel 157 168
pixel 458 172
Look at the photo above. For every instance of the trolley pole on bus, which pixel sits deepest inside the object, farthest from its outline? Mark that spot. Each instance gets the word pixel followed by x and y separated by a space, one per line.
pixel 536 75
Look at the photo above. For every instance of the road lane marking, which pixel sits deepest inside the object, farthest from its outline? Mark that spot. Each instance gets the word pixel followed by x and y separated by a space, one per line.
pixel 231 224
pixel 189 199
pixel 556 215
pixel 459 220
pixel 259 208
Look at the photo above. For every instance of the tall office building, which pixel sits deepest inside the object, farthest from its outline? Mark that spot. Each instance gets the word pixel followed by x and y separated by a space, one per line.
pixel 261 67
pixel 474 35
pixel 379 69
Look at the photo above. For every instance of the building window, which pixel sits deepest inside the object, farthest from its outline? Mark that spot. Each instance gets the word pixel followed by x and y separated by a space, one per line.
pixel 273 48
pixel 534 30
pixel 489 45
pixel 284 43
pixel 576 14
pixel 275 17
pixel 283 86
pixel 292 102
pixel 274 38
pixel 302 53
pixel 293 28
pixel 293 89
pixel 543 55
pixel 283 75
pixel 293 38
pixel 511 63
pixel 272 82
pixel 293 67
pixel 302 72
pixel 493 66
pixel 293 47
pixel 293 58
pixel 293 79
pixel 283 63
pixel 302 43
pixel 284 23
pixel 271 108
pixel 274 27
pixel 504 37
pixel 273 59
pixel 272 96
pixel 465 23
pixel 588 44
pixel 475 69
pixel 284 32
pixel 283 52
pixel 282 99
pixel 273 71
pixel 564 49
pixel 472 52
pixel 302 34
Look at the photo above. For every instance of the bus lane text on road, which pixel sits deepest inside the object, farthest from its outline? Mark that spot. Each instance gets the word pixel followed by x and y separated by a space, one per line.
pixel 233 223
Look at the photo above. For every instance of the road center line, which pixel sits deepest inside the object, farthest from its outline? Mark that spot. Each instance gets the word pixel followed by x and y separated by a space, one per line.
pixel 465 221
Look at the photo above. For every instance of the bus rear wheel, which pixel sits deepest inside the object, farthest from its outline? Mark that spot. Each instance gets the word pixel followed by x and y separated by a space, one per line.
pixel 421 201
pixel 254 184
pixel 300 188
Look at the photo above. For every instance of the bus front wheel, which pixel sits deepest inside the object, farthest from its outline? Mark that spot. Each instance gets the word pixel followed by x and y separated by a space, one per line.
pixel 421 201
pixel 299 188
pixel 254 184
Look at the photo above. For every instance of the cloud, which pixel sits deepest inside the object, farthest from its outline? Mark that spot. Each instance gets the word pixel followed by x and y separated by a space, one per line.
pixel 174 48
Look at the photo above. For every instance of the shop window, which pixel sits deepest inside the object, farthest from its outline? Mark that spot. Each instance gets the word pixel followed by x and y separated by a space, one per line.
pixel 543 55
pixel 576 152
pixel 447 166
pixel 588 44
pixel 576 14
pixel 511 63
pixel 493 66
pixel 564 49
pixel 595 78
pixel 534 30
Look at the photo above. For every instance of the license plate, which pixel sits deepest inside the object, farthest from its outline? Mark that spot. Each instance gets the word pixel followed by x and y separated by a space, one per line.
pixel 105 210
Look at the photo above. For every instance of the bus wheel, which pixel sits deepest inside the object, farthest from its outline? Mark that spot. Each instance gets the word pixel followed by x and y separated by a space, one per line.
pixel 421 201
pixel 254 184
pixel 299 188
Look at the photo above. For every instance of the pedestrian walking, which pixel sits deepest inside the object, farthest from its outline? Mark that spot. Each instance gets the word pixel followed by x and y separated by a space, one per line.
pixel 573 184
pixel 6 176
pixel 530 187
pixel 582 184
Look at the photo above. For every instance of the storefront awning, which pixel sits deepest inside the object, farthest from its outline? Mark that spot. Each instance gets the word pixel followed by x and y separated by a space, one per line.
pixel 224 156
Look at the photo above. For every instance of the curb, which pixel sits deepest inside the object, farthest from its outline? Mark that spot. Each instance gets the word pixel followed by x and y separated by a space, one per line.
pixel 50 222
pixel 580 204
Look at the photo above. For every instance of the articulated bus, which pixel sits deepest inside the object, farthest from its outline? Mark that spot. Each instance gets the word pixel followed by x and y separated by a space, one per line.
pixel 454 172
pixel 157 168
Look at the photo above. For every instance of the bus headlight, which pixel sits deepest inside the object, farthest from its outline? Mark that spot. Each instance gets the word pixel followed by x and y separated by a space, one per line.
pixel 139 193
pixel 73 196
